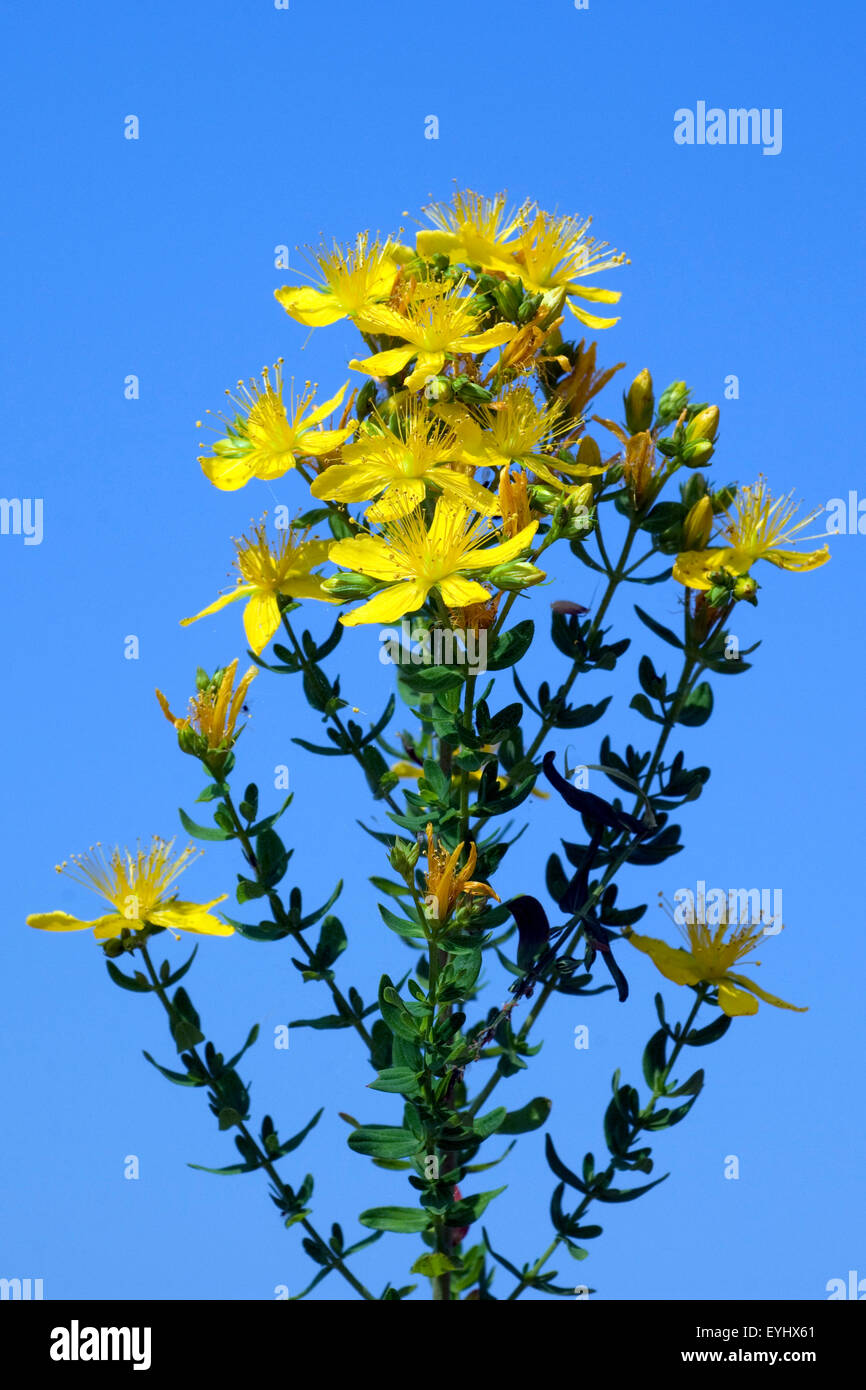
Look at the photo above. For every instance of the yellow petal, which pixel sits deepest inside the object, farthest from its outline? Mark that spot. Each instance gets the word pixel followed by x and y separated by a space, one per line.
pixel 691 567
pixel 472 494
pixel 318 442
pixel 431 243
pixel 499 554
pixel 674 963
pixel 227 474
pixel 240 695
pixel 309 306
pixel 428 364
pixel 240 592
pixel 595 295
pixel 393 602
pixel 591 320
pixel 459 593
pixel 348 482
pixel 366 555
pixel 327 408
pixel 767 998
pixel 735 1002
pixel 163 704
pixel 492 337
pixel 796 559
pixel 383 364
pixel 63 921
pixel 261 619
pixel 192 917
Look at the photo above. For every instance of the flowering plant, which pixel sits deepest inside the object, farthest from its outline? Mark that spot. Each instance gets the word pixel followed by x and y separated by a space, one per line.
pixel 434 483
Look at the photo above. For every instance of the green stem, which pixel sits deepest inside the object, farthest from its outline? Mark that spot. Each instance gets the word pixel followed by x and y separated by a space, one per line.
pixel 334 717
pixel 616 576
pixel 262 1158
pixel 282 920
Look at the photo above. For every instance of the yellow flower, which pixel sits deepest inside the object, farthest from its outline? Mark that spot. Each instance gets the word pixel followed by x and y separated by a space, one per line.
pixel 138 889
pixel 353 278
pixel 446 883
pixel 262 442
pixel 709 960
pixel 213 711
pixel 513 502
pixel 475 230
pixel 266 571
pixel 400 465
pixel 554 253
pixel 412 560
pixel 512 429
pixel 757 529
pixel 436 322
pixel 583 382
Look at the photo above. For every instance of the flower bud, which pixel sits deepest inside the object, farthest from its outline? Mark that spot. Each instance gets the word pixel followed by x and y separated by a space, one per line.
pixel 747 588
pixel 403 858
pixel 673 401
pixel 588 453
pixel 639 403
pixel 698 525
pixel 697 452
pixel 437 388
pixel 517 575
pixel 704 425
pixel 543 499
pixel 189 741
pixel 723 499
pixel 349 585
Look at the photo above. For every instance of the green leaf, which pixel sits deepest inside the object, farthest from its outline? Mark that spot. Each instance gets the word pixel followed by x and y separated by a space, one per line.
pixel 656 627
pixel 383 1141
pixel 272 858
pixel 485 1125
pixel 298 1139
pixel 531 1116
pixel 434 1264
pixel 403 1220
pixel 400 1080
pixel 332 942
pixel 692 1087
pixel 698 707
pixel 700 1037
pixel 202 832
pixel 179 1078
pixel 137 984
pixel 510 646
pixel 613 1194
pixel 641 703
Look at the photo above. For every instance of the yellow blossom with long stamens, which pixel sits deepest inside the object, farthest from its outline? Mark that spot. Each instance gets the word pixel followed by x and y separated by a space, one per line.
pixel 139 889
pixel 708 959
pixel 513 429
pixel 213 712
pixel 436 322
pixel 555 253
pixel 412 559
pixel 758 528
pixel 446 884
pixel 266 570
pixel 353 279
pixel 398 466
pixel 513 502
pixel 265 440
pixel 471 229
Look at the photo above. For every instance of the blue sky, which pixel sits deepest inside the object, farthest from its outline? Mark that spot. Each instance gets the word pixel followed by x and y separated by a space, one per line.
pixel 155 257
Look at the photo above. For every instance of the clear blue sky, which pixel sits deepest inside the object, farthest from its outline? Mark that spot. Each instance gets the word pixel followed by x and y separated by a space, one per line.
pixel 156 257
